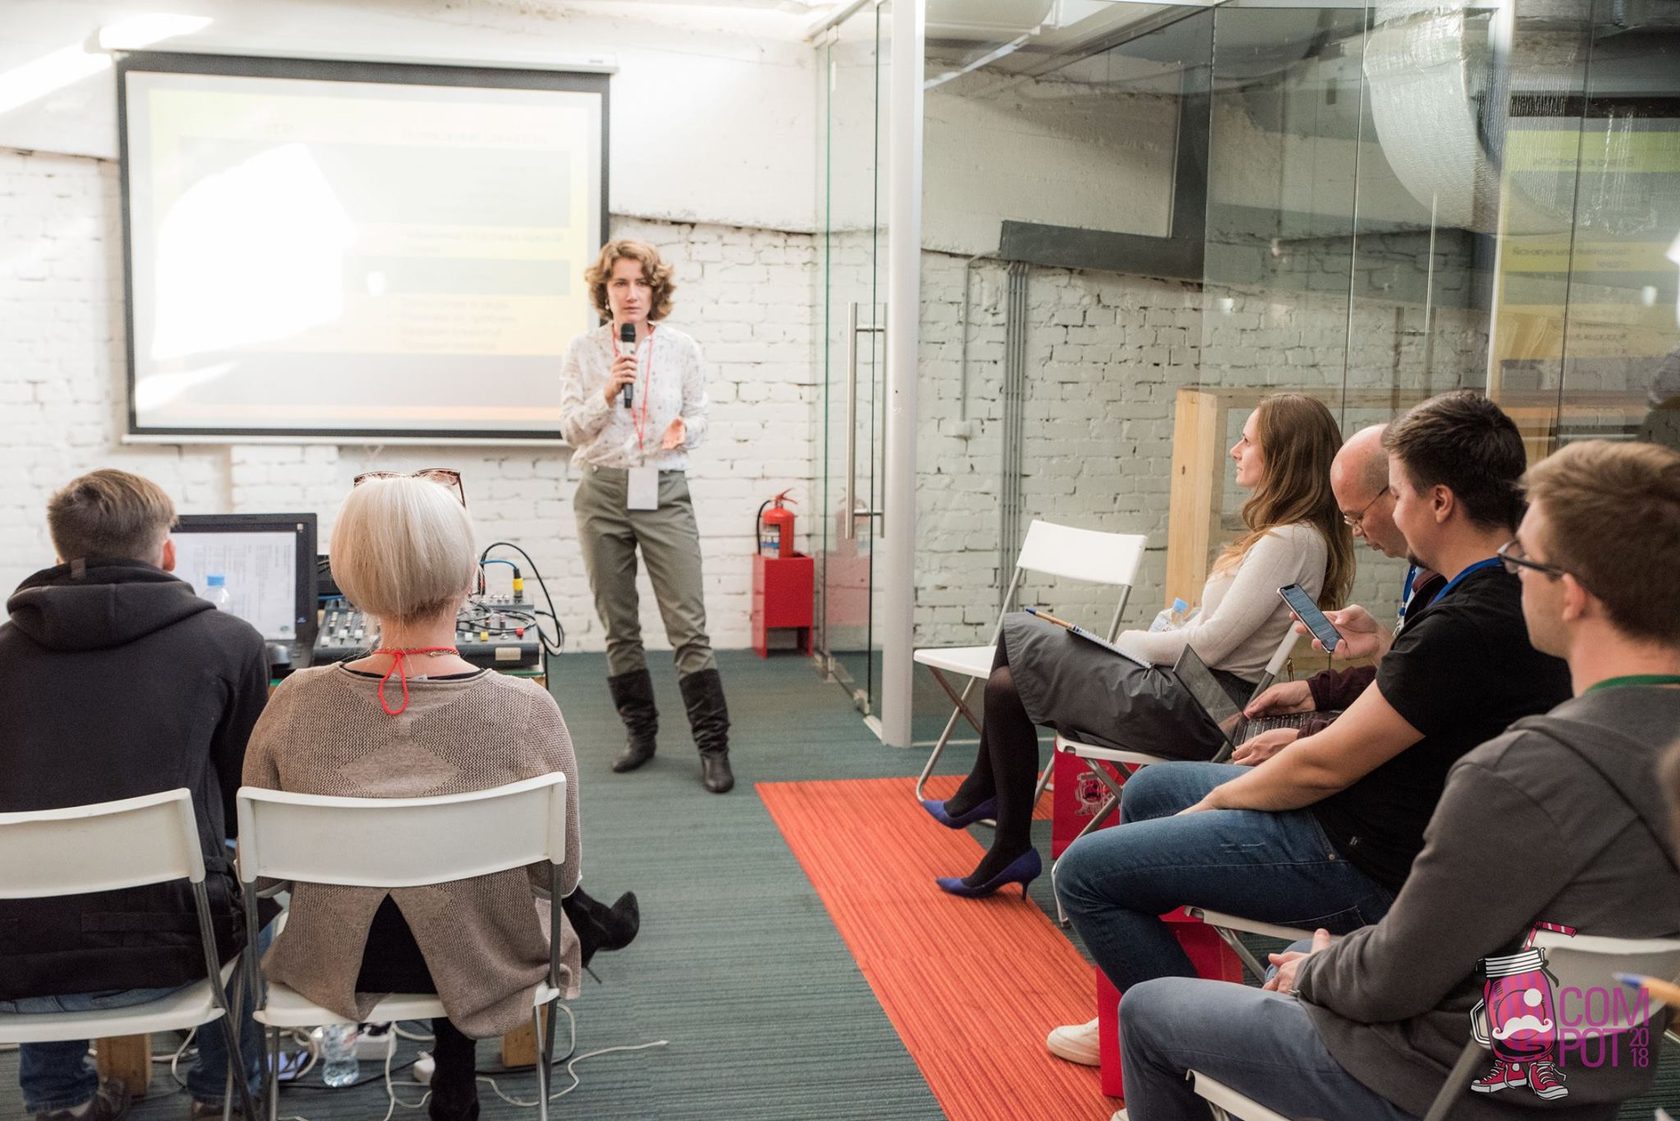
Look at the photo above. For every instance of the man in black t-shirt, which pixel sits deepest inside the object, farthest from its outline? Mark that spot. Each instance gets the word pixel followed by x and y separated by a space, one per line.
pixel 1323 833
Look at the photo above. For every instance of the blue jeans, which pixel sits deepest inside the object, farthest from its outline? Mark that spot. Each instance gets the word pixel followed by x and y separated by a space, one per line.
pixel 56 1076
pixel 1260 1044
pixel 1274 867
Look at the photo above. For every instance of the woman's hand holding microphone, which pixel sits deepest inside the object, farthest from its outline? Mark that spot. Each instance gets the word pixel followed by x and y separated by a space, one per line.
pixel 623 374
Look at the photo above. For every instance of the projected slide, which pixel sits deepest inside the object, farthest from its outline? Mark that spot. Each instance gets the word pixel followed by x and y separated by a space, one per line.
pixel 339 258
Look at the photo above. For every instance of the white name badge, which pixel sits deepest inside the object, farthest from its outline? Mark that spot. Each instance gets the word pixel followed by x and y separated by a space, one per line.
pixel 644 488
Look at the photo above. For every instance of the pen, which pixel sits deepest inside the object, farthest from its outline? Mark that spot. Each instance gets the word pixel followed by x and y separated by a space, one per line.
pixel 1665 991
pixel 1049 618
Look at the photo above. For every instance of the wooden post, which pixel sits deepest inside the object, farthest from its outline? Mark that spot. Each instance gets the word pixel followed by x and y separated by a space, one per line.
pixel 128 1058
pixel 519 1047
pixel 1197 487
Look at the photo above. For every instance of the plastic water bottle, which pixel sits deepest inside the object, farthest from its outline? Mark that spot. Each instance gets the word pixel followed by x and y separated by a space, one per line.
pixel 338 1054
pixel 216 590
pixel 1172 617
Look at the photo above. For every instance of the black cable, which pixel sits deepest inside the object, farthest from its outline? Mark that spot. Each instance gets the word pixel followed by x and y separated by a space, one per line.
pixel 558 643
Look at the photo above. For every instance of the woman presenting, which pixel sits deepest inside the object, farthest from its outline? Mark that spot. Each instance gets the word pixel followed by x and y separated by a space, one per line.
pixel 632 403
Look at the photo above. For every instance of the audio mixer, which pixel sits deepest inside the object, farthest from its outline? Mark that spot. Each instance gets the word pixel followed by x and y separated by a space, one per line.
pixel 491 631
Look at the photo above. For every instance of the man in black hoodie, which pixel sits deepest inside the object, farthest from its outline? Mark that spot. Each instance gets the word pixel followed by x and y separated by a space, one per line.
pixel 119 681
pixel 1559 821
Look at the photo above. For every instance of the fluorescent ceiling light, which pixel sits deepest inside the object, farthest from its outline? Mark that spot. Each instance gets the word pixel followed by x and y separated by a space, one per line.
pixel 68 65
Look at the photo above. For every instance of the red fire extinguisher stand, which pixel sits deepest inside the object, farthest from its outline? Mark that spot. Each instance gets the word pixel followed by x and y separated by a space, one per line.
pixel 784 581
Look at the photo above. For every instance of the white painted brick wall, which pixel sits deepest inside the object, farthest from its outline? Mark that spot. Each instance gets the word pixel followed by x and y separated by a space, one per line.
pixel 1106 355
pixel 745 295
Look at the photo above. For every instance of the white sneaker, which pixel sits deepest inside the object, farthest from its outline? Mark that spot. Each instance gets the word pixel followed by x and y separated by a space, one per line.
pixel 1077 1043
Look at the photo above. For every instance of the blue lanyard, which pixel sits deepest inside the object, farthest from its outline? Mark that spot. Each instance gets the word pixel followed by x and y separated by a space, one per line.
pixel 1406 590
pixel 1459 579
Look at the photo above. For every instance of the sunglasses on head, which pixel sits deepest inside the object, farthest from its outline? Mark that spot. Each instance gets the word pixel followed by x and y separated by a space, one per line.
pixel 444 476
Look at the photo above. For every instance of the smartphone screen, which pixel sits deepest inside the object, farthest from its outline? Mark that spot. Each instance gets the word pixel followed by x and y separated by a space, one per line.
pixel 1307 611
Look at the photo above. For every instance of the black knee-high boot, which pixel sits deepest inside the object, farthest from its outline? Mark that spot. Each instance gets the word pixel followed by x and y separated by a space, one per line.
pixel 632 695
pixel 708 718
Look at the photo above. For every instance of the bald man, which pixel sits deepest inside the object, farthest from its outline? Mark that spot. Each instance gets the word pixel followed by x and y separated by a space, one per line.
pixel 1359 480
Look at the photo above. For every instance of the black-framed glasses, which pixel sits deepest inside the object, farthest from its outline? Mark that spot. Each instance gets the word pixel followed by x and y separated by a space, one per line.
pixel 1354 521
pixel 1511 554
pixel 444 476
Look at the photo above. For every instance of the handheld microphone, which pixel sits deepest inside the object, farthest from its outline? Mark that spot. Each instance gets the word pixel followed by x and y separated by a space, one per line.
pixel 627 336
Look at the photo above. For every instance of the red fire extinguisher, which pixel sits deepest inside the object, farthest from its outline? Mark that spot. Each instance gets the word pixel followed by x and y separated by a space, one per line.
pixel 775 529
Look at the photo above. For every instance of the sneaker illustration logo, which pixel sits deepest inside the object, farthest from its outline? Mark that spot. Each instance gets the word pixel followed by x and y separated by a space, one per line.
pixel 1517 1019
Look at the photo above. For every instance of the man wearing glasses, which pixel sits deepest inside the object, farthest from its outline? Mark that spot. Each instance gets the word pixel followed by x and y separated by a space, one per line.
pixel 1359 480
pixel 1560 820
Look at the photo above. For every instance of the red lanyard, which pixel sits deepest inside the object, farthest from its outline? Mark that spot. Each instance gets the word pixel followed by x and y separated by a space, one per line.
pixel 640 419
pixel 397 657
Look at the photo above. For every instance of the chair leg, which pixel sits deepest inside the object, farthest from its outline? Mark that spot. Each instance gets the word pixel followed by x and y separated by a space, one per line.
pixel 1103 811
pixel 1250 962
pixel 1452 1090
pixel 542 1064
pixel 235 1056
pixel 962 710
pixel 271 1076
pixel 1044 779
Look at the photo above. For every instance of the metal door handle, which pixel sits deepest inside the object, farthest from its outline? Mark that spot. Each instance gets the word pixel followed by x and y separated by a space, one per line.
pixel 848 523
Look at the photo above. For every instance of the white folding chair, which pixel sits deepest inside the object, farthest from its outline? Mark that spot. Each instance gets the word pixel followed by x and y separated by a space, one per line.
pixel 395 843
pixel 1227 1104
pixel 1128 761
pixel 1583 962
pixel 132 842
pixel 1228 926
pixel 1089 555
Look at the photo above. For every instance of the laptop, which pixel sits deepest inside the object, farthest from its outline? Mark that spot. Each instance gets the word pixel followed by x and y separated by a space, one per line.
pixel 1210 696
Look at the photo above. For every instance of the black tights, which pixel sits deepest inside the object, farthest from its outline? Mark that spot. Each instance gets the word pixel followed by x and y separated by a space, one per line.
pixel 392 963
pixel 1005 767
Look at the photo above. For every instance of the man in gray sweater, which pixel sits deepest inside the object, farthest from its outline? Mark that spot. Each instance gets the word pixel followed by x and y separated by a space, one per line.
pixel 1558 821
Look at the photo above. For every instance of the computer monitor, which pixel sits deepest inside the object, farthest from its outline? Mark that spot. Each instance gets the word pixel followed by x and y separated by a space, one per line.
pixel 263 566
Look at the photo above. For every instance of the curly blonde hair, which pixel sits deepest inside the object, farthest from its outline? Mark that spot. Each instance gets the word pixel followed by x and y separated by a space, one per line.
pixel 658 274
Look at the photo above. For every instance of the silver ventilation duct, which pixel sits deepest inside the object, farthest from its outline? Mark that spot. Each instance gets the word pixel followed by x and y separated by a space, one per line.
pixel 1439 82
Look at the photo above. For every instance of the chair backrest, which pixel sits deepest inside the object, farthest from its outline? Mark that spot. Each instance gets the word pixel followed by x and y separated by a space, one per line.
pixel 1585 965
pixel 103 847
pixel 1082 554
pixel 400 842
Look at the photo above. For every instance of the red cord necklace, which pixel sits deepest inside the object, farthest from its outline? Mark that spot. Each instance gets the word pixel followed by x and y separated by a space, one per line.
pixel 397 668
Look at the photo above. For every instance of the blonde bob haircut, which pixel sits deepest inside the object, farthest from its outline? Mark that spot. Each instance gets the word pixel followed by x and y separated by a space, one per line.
pixel 403 549
pixel 659 276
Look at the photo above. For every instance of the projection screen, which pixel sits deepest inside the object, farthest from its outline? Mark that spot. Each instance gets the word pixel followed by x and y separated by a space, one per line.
pixel 355 251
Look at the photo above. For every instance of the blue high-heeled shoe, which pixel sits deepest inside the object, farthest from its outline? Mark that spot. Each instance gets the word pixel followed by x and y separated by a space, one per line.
pixel 985 809
pixel 1023 870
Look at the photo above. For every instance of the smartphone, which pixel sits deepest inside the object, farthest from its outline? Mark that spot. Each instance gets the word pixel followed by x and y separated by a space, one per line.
pixel 1307 611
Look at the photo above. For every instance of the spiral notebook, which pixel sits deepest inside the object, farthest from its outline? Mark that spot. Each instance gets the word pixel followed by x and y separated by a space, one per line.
pixel 1040 613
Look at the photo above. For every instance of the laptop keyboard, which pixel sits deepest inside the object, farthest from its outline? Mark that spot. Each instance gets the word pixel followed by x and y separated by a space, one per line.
pixel 1248 729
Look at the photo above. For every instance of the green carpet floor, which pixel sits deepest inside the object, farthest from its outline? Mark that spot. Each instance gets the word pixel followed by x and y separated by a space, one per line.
pixel 737 965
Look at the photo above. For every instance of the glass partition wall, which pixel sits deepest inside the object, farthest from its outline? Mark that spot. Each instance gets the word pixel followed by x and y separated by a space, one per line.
pixel 852 97
pixel 1140 218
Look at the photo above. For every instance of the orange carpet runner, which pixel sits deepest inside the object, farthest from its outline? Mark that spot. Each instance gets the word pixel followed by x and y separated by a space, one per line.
pixel 971 985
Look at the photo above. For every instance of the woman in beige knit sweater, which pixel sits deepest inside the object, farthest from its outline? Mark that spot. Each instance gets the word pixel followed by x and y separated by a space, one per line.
pixel 409 720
